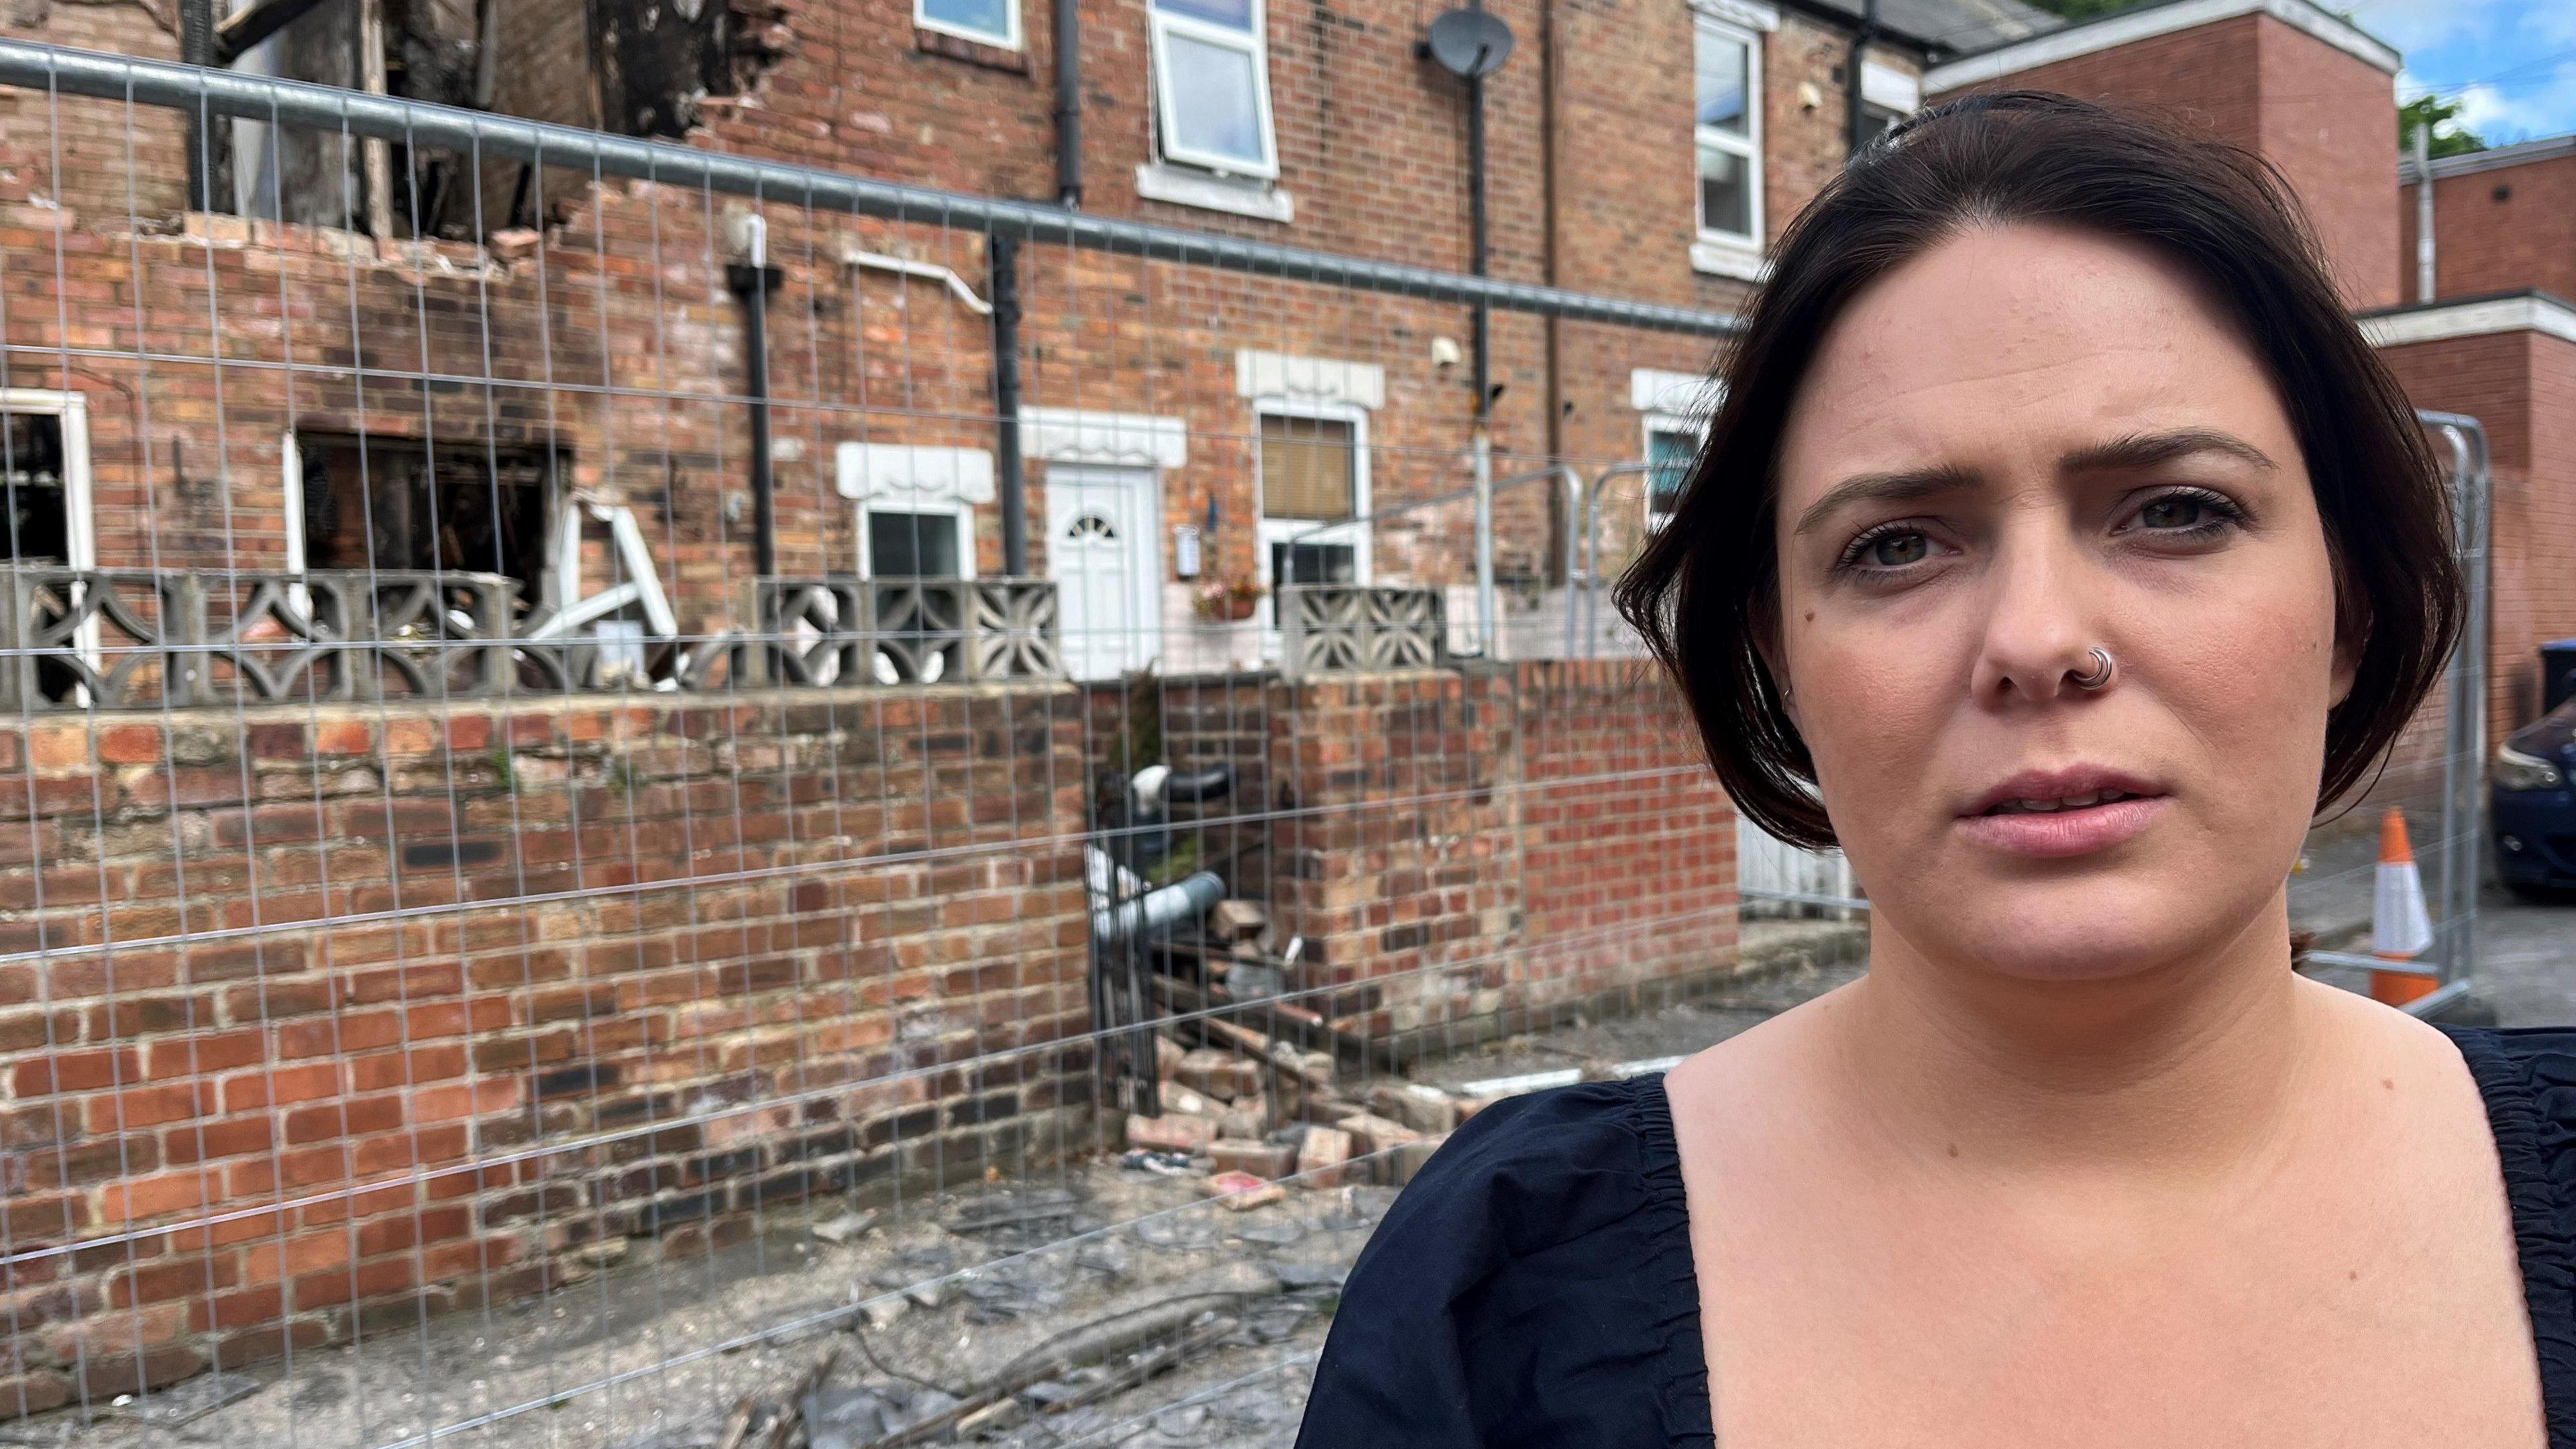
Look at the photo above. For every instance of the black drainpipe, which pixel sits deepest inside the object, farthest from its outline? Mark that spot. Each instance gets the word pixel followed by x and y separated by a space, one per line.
pixel 1476 232
pixel 1068 104
pixel 1860 43
pixel 197 47
pixel 1002 252
pixel 753 281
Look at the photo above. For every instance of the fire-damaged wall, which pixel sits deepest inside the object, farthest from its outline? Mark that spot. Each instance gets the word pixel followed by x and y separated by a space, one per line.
pixel 1460 850
pixel 288 1074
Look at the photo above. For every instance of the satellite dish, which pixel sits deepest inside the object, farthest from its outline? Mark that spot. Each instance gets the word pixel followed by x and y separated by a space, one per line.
pixel 1470 42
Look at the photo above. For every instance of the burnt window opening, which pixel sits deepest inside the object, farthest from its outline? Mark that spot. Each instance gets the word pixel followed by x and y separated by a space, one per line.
pixel 608 65
pixel 386 504
pixel 32 491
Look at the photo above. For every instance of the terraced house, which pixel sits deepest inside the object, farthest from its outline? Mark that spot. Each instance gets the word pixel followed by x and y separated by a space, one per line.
pixel 596 592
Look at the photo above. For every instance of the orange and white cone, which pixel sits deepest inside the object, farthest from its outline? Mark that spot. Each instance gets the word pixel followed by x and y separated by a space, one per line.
pixel 2400 927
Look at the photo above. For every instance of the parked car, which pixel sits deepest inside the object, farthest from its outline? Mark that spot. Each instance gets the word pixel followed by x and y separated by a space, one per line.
pixel 2532 800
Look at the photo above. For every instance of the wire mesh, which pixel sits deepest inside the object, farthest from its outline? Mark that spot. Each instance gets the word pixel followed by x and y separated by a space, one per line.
pixel 560 881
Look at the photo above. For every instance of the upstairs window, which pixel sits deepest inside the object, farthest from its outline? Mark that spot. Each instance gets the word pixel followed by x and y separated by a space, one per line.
pixel 986 22
pixel 1212 86
pixel 1728 131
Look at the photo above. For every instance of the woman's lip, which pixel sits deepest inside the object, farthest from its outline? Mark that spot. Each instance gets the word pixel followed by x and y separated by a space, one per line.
pixel 2058 833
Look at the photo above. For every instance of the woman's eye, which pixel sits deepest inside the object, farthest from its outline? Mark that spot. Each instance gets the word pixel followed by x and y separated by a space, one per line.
pixel 2175 511
pixel 1896 550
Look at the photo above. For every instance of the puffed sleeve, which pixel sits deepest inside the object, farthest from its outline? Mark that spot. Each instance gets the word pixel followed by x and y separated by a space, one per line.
pixel 1532 1287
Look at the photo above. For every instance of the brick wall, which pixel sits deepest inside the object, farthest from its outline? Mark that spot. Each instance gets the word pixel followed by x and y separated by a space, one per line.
pixel 269 1057
pixel 2521 385
pixel 2498 231
pixel 2326 118
pixel 1462 849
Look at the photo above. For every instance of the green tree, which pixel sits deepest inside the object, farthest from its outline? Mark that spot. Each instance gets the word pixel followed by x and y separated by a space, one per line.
pixel 2450 138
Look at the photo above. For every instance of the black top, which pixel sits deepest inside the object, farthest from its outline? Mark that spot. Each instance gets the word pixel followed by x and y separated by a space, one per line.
pixel 1533 1288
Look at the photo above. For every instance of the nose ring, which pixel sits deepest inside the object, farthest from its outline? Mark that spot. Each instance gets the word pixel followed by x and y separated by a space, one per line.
pixel 2104 670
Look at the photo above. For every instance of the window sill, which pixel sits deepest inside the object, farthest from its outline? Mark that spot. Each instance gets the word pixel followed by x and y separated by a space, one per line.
pixel 1729 259
pixel 1158 182
pixel 973 52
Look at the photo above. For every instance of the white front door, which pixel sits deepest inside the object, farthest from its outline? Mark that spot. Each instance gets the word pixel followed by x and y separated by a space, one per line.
pixel 1104 550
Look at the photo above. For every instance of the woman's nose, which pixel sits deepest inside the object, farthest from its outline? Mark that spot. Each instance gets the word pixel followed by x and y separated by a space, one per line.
pixel 2038 634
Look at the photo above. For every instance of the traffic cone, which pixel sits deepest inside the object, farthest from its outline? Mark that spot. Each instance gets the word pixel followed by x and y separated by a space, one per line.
pixel 2400 927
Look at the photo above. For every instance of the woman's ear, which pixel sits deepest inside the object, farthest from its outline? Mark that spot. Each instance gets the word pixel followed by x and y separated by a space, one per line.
pixel 2352 636
pixel 1767 648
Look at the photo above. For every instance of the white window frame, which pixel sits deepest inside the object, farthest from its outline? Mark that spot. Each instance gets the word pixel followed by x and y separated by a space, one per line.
pixel 922 506
pixel 1662 422
pixel 80 520
pixel 1161 25
pixel 1012 40
pixel 1270 532
pixel 1717 249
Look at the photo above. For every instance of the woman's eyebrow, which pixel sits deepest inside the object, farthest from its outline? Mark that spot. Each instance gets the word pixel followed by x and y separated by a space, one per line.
pixel 1899 487
pixel 2147 450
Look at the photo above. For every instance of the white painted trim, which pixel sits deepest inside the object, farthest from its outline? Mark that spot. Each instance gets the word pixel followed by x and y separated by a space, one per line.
pixel 2440 323
pixel 1087 435
pixel 1158 182
pixel 2554 148
pixel 893 470
pixel 1011 41
pixel 1309 379
pixel 1253 41
pixel 1663 421
pixel 1144 486
pixel 1751 14
pixel 1267 531
pixel 2130 26
pixel 1891 89
pixel 1683 394
pixel 80 524
pixel 1747 148
pixel 1729 259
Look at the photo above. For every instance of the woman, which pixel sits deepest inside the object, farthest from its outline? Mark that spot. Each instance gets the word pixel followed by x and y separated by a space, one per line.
pixel 2060 551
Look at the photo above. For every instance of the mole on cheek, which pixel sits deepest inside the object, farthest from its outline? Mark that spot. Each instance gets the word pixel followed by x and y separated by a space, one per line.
pixel 1811 616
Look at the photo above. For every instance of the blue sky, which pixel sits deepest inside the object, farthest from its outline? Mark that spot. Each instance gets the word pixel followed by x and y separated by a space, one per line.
pixel 2512 63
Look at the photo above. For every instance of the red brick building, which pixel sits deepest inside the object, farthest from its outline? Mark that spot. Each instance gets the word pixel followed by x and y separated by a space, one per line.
pixel 336 986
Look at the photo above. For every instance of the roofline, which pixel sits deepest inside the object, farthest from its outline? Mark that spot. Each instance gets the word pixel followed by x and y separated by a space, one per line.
pixel 2521 153
pixel 2445 318
pixel 2124 27
pixel 1849 24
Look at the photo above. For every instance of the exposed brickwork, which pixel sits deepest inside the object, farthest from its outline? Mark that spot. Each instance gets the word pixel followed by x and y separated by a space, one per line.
pixel 1457 849
pixel 2498 231
pixel 2325 118
pixel 2522 385
pixel 744 952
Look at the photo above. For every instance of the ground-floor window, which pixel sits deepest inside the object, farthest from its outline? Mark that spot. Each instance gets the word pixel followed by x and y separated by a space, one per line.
pixel 1672 443
pixel 930 542
pixel 383 504
pixel 1313 474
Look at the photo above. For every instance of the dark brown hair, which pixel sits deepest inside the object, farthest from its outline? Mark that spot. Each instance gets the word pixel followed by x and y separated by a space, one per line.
pixel 1705 592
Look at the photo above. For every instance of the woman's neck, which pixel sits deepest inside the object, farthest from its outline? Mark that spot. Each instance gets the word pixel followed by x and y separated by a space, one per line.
pixel 2187 1067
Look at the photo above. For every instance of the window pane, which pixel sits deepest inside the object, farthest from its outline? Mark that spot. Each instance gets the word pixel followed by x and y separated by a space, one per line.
pixel 1314 563
pixel 1669 455
pixel 1722 64
pixel 1875 120
pixel 1216 109
pixel 912 545
pixel 985 17
pixel 1306 469
pixel 1725 193
pixel 1235 13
